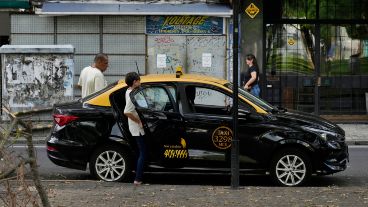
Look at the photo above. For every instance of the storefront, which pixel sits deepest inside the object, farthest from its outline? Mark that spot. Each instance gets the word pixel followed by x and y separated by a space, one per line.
pixel 315 55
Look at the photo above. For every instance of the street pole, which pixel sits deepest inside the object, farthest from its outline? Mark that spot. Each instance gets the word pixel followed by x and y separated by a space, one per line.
pixel 235 140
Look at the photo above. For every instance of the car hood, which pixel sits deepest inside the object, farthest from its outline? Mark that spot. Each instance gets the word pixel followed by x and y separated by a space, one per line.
pixel 298 119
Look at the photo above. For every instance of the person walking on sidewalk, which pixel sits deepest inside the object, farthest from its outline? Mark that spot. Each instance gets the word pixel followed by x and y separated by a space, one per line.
pixel 133 81
pixel 250 80
pixel 91 78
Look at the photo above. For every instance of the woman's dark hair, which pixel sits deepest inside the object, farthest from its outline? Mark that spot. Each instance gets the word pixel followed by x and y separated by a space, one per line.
pixel 131 77
pixel 252 57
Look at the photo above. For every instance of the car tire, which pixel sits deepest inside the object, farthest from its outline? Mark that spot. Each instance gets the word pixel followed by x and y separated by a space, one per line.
pixel 290 167
pixel 111 163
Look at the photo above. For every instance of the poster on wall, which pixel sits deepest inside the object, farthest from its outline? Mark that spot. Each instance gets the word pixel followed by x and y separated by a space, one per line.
pixel 161 60
pixel 206 60
pixel 184 25
pixel 37 80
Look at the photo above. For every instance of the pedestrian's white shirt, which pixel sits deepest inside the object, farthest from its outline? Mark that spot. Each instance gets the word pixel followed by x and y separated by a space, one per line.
pixel 91 79
pixel 134 127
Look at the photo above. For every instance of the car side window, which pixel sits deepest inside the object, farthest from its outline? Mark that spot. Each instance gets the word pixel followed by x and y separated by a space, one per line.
pixel 154 98
pixel 208 101
pixel 172 92
pixel 211 97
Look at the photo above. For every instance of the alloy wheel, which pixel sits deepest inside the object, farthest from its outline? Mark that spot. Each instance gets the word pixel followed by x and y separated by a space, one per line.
pixel 110 165
pixel 291 170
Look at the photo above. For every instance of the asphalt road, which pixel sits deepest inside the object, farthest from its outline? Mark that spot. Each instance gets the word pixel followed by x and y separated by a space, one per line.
pixel 355 176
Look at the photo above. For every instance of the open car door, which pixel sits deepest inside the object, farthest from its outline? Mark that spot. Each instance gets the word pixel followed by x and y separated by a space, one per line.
pixel 158 110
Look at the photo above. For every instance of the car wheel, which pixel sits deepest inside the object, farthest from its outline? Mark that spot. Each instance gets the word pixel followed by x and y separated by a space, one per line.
pixel 290 167
pixel 110 163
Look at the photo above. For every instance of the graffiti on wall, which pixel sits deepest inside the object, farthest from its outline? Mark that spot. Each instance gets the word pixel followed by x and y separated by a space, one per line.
pixel 165 53
pixel 37 81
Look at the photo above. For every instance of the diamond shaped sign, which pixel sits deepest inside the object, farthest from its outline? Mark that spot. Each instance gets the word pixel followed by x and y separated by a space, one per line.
pixel 252 10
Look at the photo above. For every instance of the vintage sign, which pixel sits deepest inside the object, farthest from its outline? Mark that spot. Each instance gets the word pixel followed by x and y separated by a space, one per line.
pixel 252 10
pixel 184 25
pixel 222 137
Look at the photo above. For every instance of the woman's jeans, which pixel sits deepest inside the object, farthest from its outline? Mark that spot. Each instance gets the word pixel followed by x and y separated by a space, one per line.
pixel 255 90
pixel 142 156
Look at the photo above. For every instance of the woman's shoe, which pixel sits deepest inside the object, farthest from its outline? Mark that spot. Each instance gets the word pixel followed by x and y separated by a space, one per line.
pixel 137 182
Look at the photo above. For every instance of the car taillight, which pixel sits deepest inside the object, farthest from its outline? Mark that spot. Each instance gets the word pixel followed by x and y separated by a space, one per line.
pixel 61 119
pixel 53 149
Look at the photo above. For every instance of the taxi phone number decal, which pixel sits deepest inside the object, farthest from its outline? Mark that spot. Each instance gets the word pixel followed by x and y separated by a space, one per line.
pixel 222 137
pixel 176 153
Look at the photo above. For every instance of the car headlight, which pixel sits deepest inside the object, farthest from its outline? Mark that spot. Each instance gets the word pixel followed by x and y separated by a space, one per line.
pixel 326 136
pixel 333 145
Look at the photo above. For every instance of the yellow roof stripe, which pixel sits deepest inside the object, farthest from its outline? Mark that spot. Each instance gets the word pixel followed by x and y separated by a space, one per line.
pixel 103 99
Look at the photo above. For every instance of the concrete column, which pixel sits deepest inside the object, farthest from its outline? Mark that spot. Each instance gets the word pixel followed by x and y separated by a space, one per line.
pixel 251 35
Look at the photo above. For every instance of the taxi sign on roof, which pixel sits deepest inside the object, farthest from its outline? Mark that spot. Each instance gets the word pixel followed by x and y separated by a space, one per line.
pixel 252 10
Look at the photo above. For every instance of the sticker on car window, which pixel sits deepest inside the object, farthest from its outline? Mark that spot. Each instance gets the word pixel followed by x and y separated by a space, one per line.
pixel 222 137
pixel 176 151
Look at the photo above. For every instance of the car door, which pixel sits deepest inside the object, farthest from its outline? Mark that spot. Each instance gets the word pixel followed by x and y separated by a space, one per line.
pixel 208 123
pixel 157 107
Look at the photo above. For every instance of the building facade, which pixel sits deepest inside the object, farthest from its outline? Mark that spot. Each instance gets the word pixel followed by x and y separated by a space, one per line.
pixel 312 53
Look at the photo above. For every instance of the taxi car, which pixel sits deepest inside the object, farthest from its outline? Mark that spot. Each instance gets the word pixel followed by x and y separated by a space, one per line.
pixel 188 122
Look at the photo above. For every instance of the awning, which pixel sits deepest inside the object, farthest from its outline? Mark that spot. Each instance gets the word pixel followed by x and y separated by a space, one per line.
pixel 58 9
pixel 21 4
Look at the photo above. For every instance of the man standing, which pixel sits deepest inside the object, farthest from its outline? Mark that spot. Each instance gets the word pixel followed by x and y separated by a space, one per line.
pixel 91 78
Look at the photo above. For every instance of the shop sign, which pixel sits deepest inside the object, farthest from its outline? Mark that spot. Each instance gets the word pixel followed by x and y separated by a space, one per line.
pixel 184 25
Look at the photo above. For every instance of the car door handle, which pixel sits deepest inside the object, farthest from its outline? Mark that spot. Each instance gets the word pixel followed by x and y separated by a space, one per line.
pixel 151 117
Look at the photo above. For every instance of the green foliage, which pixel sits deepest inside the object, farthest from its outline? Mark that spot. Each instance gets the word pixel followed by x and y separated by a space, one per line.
pixel 301 9
pixel 290 64
pixel 344 67
pixel 330 9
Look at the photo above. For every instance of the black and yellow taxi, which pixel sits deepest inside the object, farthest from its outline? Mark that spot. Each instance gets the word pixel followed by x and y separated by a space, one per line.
pixel 188 122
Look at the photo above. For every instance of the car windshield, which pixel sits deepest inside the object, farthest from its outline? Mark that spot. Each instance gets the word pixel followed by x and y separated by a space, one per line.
pixel 258 101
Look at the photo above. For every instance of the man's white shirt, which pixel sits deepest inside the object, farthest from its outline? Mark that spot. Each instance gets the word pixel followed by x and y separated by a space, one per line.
pixel 91 79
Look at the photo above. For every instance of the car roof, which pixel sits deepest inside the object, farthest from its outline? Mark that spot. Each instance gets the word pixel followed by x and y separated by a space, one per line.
pixel 102 98
pixel 183 78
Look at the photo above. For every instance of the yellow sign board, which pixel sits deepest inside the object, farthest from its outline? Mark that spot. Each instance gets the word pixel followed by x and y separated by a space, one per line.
pixel 291 41
pixel 252 10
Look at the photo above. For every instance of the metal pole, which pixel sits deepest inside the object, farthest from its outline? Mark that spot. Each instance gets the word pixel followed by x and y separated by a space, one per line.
pixel 235 140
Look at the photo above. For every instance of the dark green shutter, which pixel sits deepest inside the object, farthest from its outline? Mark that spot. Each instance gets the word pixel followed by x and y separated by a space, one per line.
pixel 22 4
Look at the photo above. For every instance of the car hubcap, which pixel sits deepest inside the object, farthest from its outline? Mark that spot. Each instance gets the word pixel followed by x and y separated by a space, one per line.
pixel 110 165
pixel 290 170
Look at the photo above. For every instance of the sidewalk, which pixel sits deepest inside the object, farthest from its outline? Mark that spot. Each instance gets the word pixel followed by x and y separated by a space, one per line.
pixel 95 193
pixel 355 134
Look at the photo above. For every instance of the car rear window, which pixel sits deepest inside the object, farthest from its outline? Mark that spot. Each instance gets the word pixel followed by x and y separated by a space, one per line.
pixel 100 91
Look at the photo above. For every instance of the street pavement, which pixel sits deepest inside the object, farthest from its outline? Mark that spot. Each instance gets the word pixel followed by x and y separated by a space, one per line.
pixel 64 193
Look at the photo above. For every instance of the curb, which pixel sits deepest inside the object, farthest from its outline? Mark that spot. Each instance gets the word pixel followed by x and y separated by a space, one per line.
pixel 360 142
